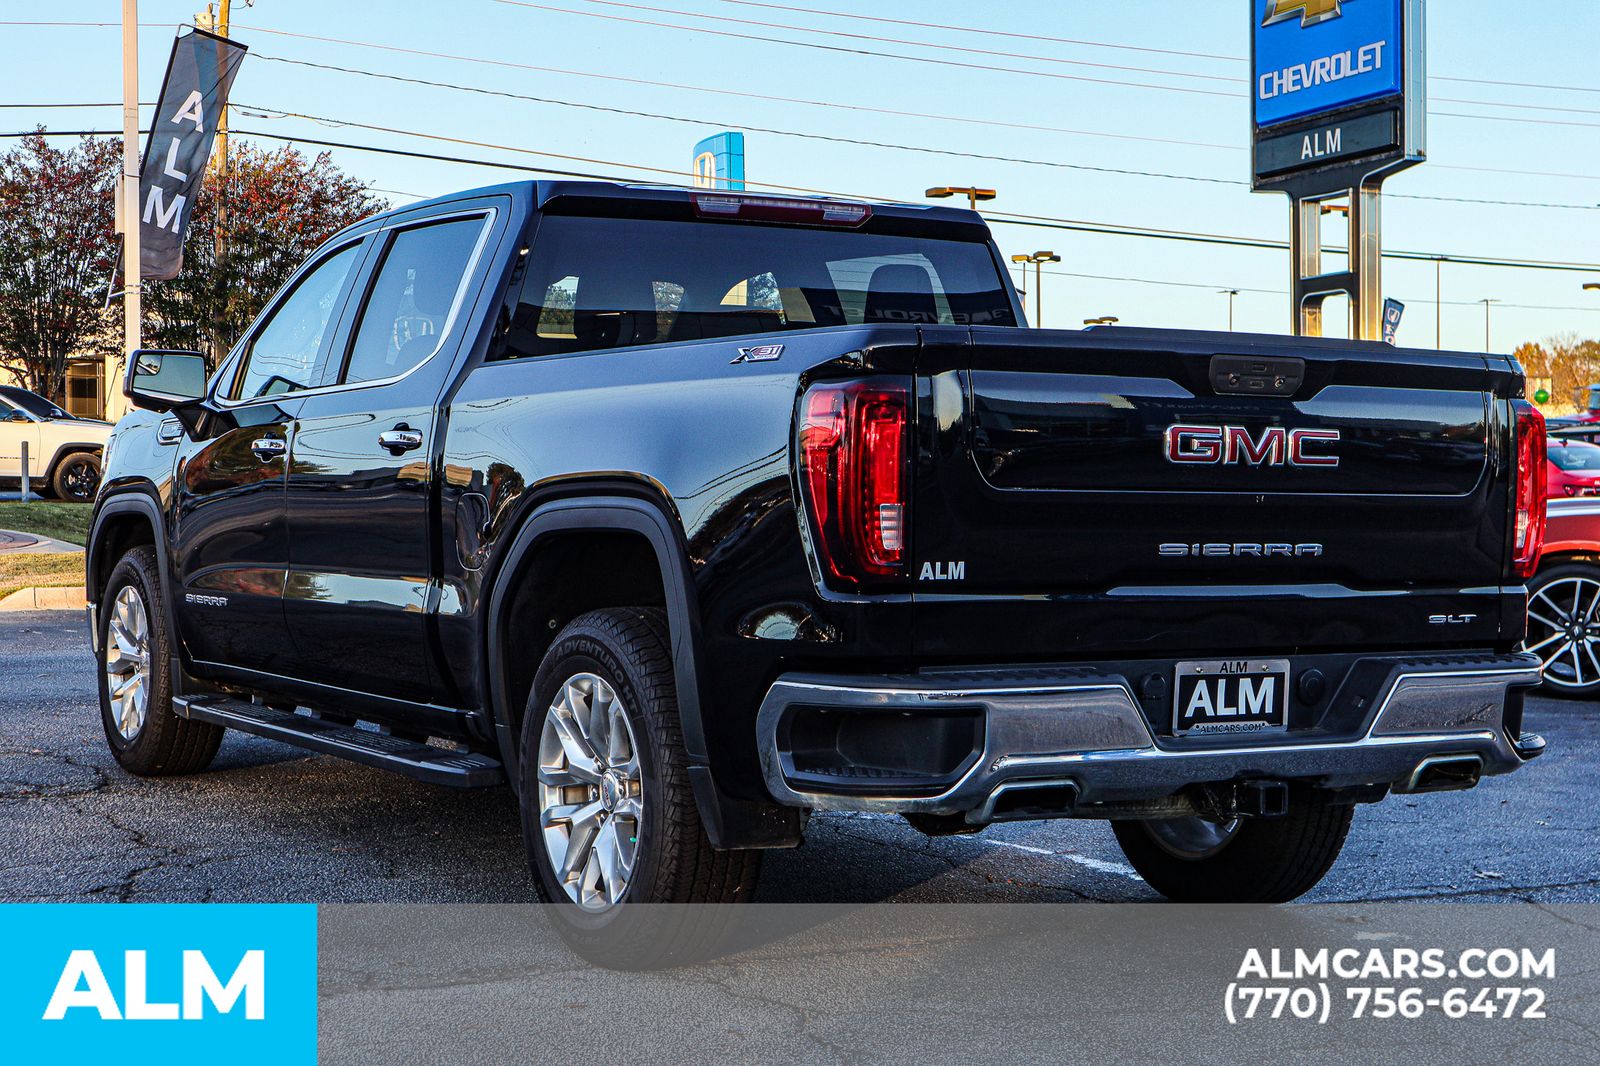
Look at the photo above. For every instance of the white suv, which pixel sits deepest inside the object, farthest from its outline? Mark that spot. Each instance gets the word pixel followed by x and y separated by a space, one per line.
pixel 63 450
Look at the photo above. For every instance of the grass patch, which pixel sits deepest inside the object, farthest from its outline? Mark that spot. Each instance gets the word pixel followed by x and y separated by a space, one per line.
pixel 20 570
pixel 62 521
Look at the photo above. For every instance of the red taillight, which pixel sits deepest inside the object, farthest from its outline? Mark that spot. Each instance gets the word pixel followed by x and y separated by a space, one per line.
pixel 1527 531
pixel 854 445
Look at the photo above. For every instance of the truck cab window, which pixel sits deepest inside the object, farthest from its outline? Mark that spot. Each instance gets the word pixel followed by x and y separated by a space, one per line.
pixel 598 283
pixel 285 354
pixel 404 319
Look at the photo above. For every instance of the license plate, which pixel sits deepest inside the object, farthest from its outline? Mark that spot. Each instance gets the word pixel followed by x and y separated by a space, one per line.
pixel 1231 696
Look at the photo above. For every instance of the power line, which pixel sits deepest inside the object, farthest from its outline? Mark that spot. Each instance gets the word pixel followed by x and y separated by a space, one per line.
pixel 867 52
pixel 1044 221
pixel 1009 218
pixel 1163 71
pixel 988 32
pixel 930 25
pixel 831 105
pixel 838 139
pixel 985 32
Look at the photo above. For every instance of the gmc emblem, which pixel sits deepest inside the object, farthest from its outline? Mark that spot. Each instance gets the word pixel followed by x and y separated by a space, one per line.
pixel 1273 446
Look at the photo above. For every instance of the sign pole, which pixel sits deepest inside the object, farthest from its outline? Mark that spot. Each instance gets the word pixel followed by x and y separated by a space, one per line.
pixel 1338 104
pixel 116 403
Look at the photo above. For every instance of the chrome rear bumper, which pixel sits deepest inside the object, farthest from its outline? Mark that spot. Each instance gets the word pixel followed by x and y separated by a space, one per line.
pixel 1087 731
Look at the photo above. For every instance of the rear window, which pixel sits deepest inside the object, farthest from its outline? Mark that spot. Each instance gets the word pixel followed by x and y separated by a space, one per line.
pixel 609 283
pixel 1575 456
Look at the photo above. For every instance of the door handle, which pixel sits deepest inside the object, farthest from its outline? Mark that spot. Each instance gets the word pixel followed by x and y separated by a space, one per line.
pixel 400 439
pixel 268 448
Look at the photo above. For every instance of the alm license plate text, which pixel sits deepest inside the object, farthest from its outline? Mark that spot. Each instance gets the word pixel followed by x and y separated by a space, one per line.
pixel 1230 696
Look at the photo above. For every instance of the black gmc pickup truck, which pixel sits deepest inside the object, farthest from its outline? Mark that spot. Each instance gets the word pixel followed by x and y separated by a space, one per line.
pixel 689 513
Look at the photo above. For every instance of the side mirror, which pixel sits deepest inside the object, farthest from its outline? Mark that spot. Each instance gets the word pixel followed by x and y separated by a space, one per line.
pixel 161 380
pixel 18 416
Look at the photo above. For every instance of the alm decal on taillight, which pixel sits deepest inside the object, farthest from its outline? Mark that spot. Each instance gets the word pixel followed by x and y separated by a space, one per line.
pixel 854 450
pixel 1528 520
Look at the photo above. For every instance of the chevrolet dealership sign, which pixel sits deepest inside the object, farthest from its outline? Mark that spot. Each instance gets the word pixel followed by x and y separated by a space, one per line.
pixel 1335 85
pixel 1318 55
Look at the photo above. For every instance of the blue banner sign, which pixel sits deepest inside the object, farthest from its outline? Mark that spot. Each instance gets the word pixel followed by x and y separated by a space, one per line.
pixel 1316 56
pixel 719 162
pixel 135 983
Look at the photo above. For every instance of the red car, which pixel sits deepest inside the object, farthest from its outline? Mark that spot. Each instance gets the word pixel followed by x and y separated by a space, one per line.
pixel 1573 469
pixel 1564 595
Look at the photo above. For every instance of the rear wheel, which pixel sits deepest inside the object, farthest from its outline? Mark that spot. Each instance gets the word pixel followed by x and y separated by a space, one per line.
pixel 608 814
pixel 145 734
pixel 77 477
pixel 1238 860
pixel 1564 628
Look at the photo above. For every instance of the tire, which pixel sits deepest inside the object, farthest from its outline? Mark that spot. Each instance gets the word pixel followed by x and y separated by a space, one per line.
pixel 136 655
pixel 76 477
pixel 623 653
pixel 1262 860
pixel 1572 663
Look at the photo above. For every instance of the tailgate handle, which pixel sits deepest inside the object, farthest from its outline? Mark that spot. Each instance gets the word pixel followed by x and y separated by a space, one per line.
pixel 1257 375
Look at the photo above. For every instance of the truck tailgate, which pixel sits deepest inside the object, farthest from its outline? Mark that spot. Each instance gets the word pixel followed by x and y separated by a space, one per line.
pixel 1174 493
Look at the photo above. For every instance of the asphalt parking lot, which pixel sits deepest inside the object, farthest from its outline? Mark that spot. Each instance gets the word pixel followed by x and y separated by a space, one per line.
pixel 271 823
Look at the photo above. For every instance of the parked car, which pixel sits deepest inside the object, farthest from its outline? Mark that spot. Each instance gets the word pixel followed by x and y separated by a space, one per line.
pixel 1564 600
pixel 64 450
pixel 1574 468
pixel 781 512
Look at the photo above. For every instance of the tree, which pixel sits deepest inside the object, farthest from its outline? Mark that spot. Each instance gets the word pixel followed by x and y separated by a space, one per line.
pixel 56 253
pixel 1570 362
pixel 278 206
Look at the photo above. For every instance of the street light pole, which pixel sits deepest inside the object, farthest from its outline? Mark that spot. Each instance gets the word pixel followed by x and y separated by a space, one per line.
pixel 1487 303
pixel 1230 294
pixel 972 193
pixel 1438 302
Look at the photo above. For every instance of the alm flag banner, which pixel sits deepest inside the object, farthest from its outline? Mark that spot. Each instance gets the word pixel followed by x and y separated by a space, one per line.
pixel 199 75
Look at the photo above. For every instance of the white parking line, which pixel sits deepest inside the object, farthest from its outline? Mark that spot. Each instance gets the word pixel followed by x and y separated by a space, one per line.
pixel 1082 860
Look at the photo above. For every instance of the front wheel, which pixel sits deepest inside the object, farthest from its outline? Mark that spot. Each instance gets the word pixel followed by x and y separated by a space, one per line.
pixel 608 814
pixel 145 733
pixel 1239 860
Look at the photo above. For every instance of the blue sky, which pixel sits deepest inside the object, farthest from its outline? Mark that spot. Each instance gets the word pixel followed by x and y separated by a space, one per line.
pixel 1201 135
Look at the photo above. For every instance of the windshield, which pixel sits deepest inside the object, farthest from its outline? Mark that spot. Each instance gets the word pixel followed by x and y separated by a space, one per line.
pixel 607 283
pixel 31 402
pixel 1575 456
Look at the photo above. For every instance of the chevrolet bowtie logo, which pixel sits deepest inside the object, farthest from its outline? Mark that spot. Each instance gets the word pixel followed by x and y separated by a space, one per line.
pixel 1310 12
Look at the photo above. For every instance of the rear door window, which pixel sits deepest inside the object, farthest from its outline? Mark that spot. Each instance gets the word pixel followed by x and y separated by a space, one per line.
pixel 412 297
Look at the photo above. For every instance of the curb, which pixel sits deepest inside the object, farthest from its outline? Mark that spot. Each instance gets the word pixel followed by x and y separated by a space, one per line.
pixel 68 598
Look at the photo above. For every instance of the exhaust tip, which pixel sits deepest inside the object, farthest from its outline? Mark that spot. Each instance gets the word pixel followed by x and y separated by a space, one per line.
pixel 1020 801
pixel 1445 773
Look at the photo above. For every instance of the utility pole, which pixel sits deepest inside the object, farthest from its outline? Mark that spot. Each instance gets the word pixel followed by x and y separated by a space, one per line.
pixel 116 404
pixel 1230 294
pixel 215 19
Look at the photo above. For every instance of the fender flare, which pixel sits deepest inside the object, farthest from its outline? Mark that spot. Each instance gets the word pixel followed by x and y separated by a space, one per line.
pixel 603 514
pixel 129 501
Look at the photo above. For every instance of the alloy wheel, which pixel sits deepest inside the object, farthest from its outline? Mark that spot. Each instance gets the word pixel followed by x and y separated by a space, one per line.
pixel 127 658
pixel 590 792
pixel 1191 837
pixel 80 479
pixel 1564 631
